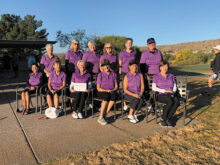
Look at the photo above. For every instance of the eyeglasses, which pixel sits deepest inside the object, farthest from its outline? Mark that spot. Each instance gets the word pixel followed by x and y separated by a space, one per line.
pixel 76 43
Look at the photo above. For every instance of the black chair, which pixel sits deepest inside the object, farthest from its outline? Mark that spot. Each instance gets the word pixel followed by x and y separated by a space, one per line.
pixel 96 98
pixel 183 96
pixel 18 93
pixel 43 93
pixel 151 95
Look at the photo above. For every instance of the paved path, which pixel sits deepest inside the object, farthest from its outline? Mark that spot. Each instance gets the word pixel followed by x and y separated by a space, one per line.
pixel 26 140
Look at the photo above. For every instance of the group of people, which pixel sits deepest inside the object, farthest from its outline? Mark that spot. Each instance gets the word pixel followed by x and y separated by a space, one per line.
pixel 102 72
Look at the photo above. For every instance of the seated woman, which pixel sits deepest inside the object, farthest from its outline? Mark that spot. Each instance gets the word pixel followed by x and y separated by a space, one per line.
pixel 106 86
pixel 133 86
pixel 35 79
pixel 81 76
pixel 165 84
pixel 56 82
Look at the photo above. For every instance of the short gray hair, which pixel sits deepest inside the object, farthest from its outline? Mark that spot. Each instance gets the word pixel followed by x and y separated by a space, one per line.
pixel 49 45
pixel 80 61
pixel 91 42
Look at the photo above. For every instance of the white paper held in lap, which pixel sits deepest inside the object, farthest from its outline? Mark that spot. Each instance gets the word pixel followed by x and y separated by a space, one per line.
pixel 81 87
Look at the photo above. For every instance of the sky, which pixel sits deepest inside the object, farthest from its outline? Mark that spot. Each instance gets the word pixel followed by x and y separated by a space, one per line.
pixel 168 21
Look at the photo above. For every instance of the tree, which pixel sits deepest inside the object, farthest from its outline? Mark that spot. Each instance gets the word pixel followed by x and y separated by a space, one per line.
pixel 13 27
pixel 65 39
pixel 118 43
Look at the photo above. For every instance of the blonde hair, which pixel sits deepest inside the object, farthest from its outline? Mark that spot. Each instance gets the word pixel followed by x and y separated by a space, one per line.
pixel 71 45
pixel 80 61
pixel 104 49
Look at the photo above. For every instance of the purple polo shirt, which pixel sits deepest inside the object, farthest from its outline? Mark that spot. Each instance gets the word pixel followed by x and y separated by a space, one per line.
pixel 126 57
pixel 164 83
pixel 73 57
pixel 92 58
pixel 152 60
pixel 112 59
pixel 48 62
pixel 57 80
pixel 78 78
pixel 34 80
pixel 134 82
pixel 107 82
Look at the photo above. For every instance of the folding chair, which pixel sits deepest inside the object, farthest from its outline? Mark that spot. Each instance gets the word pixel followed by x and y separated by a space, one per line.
pixel 18 93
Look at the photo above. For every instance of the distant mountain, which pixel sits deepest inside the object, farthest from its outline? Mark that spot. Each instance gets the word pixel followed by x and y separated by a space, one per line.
pixel 205 46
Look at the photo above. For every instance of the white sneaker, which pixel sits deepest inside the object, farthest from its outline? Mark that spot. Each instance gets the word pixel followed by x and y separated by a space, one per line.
pixel 125 108
pixel 90 106
pixel 80 116
pixel 75 115
pixel 132 119
pixel 135 117
pixel 102 121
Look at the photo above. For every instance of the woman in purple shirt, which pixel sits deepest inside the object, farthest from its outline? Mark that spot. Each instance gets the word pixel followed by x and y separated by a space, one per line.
pixel 109 54
pixel 106 86
pixel 47 60
pixel 133 86
pixel 126 56
pixel 35 79
pixel 150 59
pixel 72 57
pixel 92 58
pixel 83 77
pixel 165 84
pixel 56 82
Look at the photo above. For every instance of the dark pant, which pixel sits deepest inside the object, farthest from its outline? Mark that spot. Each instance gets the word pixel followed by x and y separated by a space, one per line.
pixel 135 103
pixel 171 106
pixel 106 96
pixel 79 100
pixel 58 92
pixel 31 92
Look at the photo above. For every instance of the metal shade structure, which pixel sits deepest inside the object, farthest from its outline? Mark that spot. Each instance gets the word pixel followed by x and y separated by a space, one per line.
pixel 24 44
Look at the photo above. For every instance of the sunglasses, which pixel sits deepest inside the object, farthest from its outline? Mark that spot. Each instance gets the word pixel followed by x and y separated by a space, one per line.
pixel 76 43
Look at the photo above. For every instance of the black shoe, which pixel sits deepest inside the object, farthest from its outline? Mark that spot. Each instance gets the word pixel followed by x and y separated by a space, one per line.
pixel 163 123
pixel 169 123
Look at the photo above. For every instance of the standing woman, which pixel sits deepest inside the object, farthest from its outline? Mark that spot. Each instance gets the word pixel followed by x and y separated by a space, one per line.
pixel 133 88
pixel 109 54
pixel 150 59
pixel 165 84
pixel 72 57
pixel 35 79
pixel 81 76
pixel 47 60
pixel 125 57
pixel 91 58
pixel 57 81
pixel 106 86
